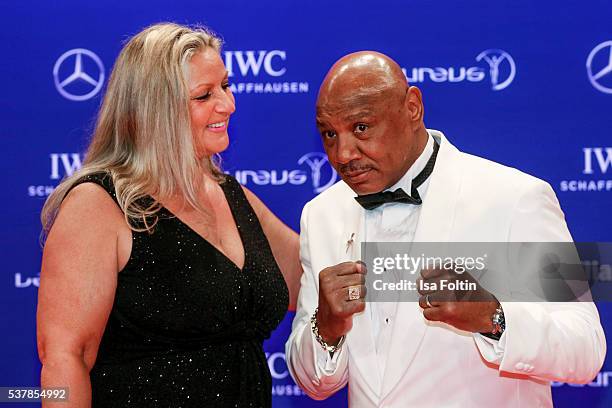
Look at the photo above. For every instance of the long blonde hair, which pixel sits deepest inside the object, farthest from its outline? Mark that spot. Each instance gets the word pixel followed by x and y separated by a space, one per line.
pixel 143 134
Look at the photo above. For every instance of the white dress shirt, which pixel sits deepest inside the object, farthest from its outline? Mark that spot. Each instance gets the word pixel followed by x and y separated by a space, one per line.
pixel 394 222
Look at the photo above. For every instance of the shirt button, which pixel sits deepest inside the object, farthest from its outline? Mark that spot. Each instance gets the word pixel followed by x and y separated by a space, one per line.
pixel 520 366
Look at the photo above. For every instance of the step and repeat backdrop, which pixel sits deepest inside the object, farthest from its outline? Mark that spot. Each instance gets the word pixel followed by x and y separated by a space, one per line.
pixel 527 84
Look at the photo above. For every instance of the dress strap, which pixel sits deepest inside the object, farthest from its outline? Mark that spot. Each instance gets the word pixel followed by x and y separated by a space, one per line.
pixel 103 179
pixel 239 204
pixel 251 231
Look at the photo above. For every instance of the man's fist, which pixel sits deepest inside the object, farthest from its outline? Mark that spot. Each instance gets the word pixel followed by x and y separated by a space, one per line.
pixel 341 294
pixel 468 306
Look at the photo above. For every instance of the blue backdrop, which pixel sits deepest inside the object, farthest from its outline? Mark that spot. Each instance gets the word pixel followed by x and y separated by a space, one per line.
pixel 524 83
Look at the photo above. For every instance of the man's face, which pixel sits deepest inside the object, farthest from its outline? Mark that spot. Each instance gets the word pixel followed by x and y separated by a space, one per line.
pixel 369 138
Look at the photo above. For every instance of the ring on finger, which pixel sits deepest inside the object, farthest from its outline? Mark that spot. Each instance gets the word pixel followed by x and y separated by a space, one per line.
pixel 427 301
pixel 354 292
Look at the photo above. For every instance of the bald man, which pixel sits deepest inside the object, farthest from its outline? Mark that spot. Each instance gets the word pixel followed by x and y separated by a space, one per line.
pixel 404 183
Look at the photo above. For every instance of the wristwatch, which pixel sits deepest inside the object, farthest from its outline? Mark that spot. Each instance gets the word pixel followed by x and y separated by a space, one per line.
pixel 499 321
pixel 499 324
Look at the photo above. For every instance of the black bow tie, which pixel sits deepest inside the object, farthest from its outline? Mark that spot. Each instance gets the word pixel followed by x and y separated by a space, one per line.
pixel 371 201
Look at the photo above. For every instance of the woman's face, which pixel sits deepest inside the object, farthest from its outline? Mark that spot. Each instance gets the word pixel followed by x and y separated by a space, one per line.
pixel 211 102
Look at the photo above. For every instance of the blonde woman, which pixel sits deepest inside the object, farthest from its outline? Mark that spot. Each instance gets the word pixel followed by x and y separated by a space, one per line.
pixel 161 276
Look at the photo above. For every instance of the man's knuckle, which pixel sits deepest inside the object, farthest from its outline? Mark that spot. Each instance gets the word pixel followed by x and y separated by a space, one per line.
pixel 326 280
pixel 450 308
pixel 427 315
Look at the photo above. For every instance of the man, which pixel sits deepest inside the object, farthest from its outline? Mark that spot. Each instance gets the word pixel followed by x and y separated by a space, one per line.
pixel 432 353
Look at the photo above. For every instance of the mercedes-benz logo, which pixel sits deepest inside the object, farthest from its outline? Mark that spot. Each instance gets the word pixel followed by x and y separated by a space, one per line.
pixel 495 57
pixel 79 74
pixel 316 160
pixel 596 74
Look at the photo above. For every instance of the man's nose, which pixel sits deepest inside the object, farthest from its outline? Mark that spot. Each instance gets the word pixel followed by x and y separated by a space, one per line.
pixel 346 148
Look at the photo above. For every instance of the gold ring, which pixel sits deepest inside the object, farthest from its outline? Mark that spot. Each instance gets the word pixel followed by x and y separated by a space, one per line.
pixel 354 292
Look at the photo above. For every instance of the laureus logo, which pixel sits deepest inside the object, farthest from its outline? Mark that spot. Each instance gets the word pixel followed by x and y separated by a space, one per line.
pixel 501 71
pixel 322 174
pixel 316 161
pixel 602 380
pixel 502 68
pixel 26 281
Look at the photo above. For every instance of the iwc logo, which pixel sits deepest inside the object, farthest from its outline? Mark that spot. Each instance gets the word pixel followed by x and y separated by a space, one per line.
pixel 261 72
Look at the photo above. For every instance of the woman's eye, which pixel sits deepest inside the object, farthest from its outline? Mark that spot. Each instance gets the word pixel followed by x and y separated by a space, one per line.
pixel 203 97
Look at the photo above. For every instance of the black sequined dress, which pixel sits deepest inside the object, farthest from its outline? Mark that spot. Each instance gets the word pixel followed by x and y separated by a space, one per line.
pixel 187 325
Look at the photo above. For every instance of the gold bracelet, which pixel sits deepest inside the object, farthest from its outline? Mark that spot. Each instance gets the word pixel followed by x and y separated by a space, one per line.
pixel 315 331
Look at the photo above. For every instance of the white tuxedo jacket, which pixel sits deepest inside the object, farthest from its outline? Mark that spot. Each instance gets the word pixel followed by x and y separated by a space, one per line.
pixel 432 364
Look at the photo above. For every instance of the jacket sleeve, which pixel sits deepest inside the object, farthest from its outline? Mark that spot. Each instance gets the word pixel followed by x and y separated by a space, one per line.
pixel 557 341
pixel 317 373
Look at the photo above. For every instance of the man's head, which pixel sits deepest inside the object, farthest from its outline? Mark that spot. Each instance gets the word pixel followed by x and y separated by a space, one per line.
pixel 370 120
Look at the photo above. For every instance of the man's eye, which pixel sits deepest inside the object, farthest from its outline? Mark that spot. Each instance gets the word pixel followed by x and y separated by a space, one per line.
pixel 225 85
pixel 360 128
pixel 328 134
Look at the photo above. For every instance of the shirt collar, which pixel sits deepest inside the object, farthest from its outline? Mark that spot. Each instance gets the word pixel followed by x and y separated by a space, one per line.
pixel 405 182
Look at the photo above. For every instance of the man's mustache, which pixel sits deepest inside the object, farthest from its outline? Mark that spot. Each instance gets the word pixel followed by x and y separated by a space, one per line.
pixel 353 167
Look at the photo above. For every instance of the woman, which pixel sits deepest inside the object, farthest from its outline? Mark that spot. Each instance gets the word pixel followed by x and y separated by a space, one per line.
pixel 160 275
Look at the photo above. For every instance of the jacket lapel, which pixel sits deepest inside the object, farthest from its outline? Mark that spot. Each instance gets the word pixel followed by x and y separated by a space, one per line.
pixel 360 340
pixel 435 225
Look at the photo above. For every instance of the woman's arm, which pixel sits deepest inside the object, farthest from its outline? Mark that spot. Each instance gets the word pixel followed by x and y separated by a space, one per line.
pixel 77 289
pixel 284 243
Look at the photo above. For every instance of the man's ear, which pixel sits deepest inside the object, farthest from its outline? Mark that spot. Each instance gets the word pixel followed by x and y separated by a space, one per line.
pixel 414 104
